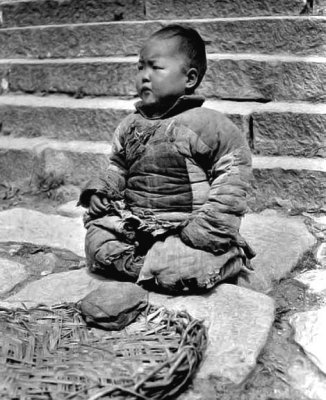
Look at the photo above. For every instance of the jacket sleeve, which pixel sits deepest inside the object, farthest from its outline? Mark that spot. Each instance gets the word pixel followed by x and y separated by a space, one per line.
pixel 215 226
pixel 112 183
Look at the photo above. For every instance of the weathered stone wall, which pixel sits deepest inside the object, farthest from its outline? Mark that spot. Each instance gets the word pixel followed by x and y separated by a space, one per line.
pixel 263 36
pixel 43 12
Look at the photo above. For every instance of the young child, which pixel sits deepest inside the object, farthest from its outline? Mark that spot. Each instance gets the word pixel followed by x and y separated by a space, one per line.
pixel 177 179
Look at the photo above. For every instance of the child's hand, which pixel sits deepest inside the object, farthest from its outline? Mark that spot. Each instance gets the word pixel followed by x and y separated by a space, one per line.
pixel 98 205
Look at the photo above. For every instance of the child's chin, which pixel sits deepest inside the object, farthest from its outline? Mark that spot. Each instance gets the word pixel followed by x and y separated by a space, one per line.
pixel 149 104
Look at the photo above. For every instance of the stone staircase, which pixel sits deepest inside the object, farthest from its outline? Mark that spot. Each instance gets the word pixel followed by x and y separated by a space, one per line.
pixel 67 78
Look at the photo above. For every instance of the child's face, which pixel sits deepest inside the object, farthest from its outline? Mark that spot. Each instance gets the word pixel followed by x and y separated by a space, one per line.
pixel 162 73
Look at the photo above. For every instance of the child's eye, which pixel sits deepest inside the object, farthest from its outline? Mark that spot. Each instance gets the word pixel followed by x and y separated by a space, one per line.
pixel 156 67
pixel 140 67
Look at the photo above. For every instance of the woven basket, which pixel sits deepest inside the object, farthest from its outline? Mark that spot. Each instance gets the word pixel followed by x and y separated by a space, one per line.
pixel 52 354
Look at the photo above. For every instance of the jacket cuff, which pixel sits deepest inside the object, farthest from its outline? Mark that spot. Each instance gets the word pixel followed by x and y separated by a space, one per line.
pixel 92 187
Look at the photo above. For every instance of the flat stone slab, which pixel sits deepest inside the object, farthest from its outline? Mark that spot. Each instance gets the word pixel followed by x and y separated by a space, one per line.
pixel 307 379
pixel 53 289
pixel 301 35
pixel 71 209
pixel 23 13
pixel 76 11
pixel 315 280
pixel 227 8
pixel 229 76
pixel 23 225
pixel 321 255
pixel 300 180
pixel 321 220
pixel 279 242
pixel 285 133
pixel 73 161
pixel 11 273
pixel 279 128
pixel 319 8
pixel 310 333
pixel 238 321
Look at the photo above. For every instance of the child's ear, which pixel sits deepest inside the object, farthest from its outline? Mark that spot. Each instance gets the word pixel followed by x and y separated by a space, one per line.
pixel 192 79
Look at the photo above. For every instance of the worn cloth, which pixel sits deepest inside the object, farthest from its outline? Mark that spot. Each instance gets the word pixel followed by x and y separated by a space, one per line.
pixel 186 172
pixel 175 267
pixel 113 305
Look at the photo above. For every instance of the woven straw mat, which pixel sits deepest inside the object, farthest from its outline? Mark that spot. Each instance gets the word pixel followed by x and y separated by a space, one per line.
pixel 50 354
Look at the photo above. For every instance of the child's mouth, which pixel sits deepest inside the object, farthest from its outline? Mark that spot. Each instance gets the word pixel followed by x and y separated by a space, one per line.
pixel 145 91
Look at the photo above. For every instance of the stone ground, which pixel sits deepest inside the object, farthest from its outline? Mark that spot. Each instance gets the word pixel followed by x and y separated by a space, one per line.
pixel 265 336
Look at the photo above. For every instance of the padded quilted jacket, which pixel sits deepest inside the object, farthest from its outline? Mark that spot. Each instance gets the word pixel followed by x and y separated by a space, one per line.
pixel 190 165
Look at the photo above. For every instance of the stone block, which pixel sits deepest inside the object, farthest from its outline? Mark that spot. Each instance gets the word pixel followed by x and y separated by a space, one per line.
pixel 60 117
pixel 76 164
pixel 64 118
pixel 278 128
pixel 67 192
pixel 29 226
pixel 70 287
pixel 17 165
pixel 265 78
pixel 290 132
pixel 71 210
pixel 73 162
pixel 26 13
pixel 321 254
pixel 307 379
pixel 238 322
pixel 315 280
pixel 77 78
pixel 303 80
pixel 158 9
pixel 303 187
pixel 279 243
pixel 310 332
pixel 319 7
pixel 245 315
pixel 11 274
pixel 236 77
pixel 4 79
pixel 69 41
pixel 282 35
pixel 299 181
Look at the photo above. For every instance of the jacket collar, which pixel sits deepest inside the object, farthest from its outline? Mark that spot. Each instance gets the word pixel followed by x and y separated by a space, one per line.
pixel 183 103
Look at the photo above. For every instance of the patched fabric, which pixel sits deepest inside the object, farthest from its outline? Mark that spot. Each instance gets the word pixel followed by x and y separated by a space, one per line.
pixel 190 168
pixel 175 267
pixel 114 305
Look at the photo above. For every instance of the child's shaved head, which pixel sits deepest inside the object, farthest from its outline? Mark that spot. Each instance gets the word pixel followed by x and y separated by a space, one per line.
pixel 191 45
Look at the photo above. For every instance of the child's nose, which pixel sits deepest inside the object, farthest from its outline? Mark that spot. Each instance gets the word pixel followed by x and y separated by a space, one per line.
pixel 145 76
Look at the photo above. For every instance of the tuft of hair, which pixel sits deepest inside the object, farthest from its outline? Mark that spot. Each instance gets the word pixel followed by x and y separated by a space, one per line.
pixel 191 44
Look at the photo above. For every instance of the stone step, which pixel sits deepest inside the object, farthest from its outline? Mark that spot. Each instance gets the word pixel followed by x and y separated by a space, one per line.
pixel 300 181
pixel 28 161
pixel 62 117
pixel 26 13
pixel 229 76
pixel 22 160
pixel 291 129
pixel 265 35
pixel 319 7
